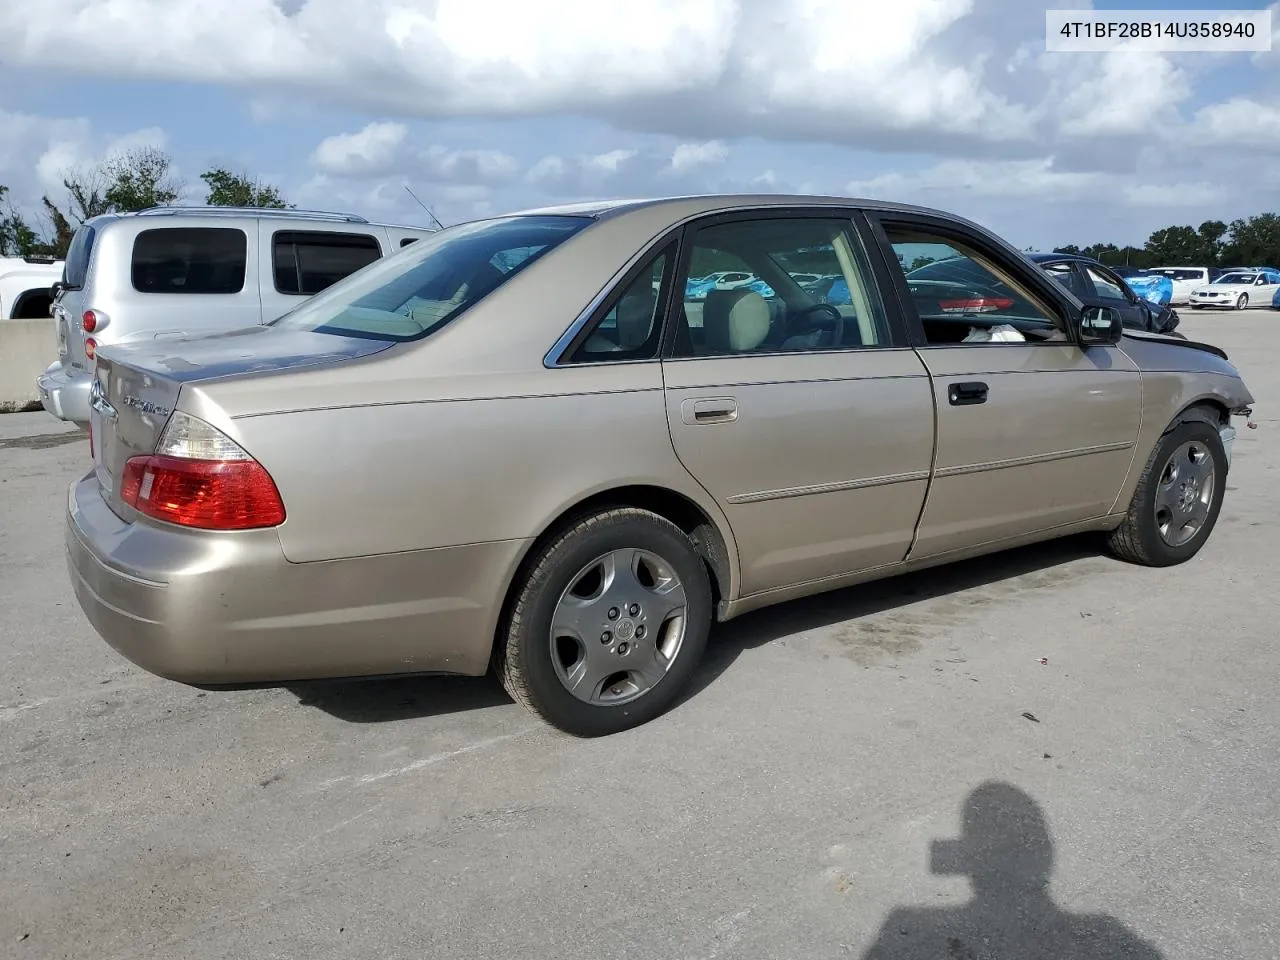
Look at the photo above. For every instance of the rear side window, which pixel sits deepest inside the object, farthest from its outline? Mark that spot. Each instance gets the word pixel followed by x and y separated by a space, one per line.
pixel 76 267
pixel 306 262
pixel 411 295
pixel 408 240
pixel 208 260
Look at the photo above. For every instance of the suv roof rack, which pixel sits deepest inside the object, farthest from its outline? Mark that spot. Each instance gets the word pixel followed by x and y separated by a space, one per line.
pixel 253 211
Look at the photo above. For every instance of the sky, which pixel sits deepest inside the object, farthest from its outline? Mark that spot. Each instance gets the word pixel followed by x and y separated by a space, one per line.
pixel 483 107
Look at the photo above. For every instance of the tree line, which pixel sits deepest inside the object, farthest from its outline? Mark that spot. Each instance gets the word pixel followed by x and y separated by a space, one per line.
pixel 1244 242
pixel 133 180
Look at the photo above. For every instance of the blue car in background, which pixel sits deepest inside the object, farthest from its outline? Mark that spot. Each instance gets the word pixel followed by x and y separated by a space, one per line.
pixel 838 293
pixel 1275 300
pixel 1153 287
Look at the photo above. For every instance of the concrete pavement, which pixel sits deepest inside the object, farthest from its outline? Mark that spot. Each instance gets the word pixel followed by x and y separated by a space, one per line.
pixel 787 809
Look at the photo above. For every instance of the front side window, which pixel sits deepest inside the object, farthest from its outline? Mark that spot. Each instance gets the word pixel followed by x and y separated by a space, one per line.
pixel 208 260
pixel 308 261
pixel 757 304
pixel 411 295
pixel 963 295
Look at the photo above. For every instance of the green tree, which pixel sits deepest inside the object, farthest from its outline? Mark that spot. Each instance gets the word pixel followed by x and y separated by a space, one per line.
pixel 1211 233
pixel 227 189
pixel 1067 248
pixel 138 179
pixel 1177 245
pixel 1253 242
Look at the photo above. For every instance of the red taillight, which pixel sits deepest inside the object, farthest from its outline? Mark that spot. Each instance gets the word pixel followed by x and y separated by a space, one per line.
pixel 208 494
pixel 90 347
pixel 89 321
pixel 975 305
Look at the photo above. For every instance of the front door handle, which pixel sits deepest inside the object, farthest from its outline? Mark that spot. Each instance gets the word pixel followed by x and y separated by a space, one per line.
pixel 961 394
pixel 709 410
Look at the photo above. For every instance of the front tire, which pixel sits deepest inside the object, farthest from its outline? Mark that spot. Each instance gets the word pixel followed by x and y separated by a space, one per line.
pixel 1178 498
pixel 1242 301
pixel 609 624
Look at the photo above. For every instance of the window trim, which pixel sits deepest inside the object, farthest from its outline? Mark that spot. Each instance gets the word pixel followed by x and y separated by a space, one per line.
pixel 852 216
pixel 573 336
pixel 297 269
pixel 1039 282
pixel 244 280
pixel 619 290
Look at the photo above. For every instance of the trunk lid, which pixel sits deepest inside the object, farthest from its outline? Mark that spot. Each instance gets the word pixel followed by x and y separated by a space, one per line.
pixel 136 387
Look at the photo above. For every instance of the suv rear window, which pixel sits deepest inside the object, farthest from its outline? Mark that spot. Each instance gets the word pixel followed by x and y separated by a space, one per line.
pixel 306 262
pixel 417 292
pixel 76 267
pixel 190 260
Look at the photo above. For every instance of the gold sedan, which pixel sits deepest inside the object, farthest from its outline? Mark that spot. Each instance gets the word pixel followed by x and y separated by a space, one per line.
pixel 534 444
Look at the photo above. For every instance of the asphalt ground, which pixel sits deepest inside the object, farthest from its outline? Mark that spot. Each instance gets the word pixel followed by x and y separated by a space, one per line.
pixel 787 809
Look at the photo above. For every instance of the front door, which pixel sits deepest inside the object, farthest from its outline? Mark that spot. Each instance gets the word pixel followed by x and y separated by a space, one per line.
pixel 1034 432
pixel 810 422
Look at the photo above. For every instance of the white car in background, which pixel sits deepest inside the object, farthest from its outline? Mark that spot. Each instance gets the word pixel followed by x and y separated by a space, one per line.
pixel 1238 290
pixel 1184 279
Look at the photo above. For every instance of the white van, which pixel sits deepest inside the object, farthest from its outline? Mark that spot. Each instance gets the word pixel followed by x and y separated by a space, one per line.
pixel 192 271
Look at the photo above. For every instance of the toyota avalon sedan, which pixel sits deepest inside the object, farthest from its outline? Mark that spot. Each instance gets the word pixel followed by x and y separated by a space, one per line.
pixel 519 445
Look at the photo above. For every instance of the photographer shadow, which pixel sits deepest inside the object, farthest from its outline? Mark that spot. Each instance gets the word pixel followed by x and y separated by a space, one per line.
pixel 1007 853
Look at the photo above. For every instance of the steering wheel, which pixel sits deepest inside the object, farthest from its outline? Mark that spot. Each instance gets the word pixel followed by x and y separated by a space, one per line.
pixel 833 320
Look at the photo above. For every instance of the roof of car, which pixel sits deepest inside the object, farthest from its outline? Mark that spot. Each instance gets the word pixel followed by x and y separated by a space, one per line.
pixel 714 203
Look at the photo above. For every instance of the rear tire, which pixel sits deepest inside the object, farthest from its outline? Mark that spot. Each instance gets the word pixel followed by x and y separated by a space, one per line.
pixel 1188 466
pixel 608 624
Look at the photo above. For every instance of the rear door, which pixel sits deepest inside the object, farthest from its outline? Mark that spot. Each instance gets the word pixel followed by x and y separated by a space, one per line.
pixel 810 424
pixel 1034 432
pixel 301 259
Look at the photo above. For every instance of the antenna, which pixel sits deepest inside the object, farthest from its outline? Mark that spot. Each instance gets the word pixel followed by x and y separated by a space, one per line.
pixel 424 207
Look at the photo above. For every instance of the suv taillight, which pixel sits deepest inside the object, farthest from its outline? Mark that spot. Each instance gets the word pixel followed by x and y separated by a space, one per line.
pixel 199 477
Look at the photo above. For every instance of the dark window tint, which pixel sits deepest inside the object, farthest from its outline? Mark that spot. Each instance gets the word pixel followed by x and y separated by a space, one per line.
pixel 409 296
pixel 190 260
pixel 307 262
pixel 408 240
pixel 76 267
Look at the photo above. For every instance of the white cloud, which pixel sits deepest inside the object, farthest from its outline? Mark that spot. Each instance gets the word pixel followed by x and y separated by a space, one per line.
pixel 690 156
pixel 385 148
pixel 845 69
pixel 366 152
pixel 1239 122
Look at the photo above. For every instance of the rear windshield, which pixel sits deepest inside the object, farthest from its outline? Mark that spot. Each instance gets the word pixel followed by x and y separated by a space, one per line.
pixel 76 267
pixel 418 290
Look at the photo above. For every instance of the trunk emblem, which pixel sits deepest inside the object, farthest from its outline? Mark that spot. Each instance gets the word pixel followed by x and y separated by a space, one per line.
pixel 99 402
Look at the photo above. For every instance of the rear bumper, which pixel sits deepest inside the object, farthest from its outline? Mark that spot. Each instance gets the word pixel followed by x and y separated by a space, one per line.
pixel 64 392
pixel 204 608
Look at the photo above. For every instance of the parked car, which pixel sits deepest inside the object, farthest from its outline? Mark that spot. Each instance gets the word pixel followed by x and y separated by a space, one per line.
pixel 26 286
pixel 437 465
pixel 1085 277
pixel 1185 279
pixel 179 271
pixel 1237 290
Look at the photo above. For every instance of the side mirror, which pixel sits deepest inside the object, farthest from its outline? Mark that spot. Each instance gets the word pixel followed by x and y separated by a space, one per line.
pixel 1100 325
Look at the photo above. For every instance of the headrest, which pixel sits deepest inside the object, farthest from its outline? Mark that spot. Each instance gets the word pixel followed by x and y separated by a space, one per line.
pixel 735 321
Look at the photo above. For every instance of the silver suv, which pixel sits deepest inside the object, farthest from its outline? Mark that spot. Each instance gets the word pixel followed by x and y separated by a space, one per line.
pixel 191 271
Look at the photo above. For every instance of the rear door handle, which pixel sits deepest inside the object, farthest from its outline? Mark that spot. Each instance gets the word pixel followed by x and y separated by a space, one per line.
pixel 961 394
pixel 709 410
